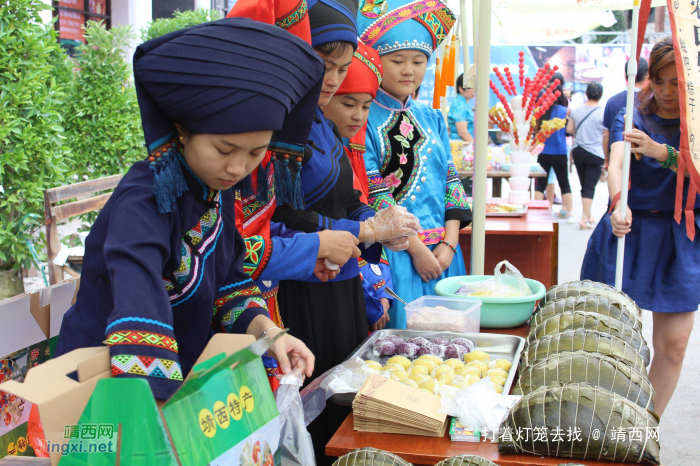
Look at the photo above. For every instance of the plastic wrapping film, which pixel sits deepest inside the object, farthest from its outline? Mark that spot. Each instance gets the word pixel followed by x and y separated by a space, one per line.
pixel 596 369
pixel 589 341
pixel 369 456
pixel 295 441
pixel 588 421
pixel 591 321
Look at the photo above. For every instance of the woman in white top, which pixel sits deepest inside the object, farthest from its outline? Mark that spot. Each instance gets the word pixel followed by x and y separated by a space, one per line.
pixel 586 124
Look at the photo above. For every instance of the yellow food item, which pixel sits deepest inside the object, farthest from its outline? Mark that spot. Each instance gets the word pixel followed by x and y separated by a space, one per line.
pixel 430 385
pixel 499 380
pixel 436 359
pixel 373 364
pixel 426 363
pixel 496 372
pixel 468 370
pixel 498 388
pixel 405 362
pixel 410 383
pixel 419 378
pixel 471 379
pixel 479 365
pixel 458 385
pixel 414 369
pixel 444 378
pixel 454 363
pixel 393 367
pixel 441 370
pixel 500 364
pixel 399 375
pixel 476 356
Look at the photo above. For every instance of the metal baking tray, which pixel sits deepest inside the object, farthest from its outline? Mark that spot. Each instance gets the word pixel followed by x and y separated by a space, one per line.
pixel 497 346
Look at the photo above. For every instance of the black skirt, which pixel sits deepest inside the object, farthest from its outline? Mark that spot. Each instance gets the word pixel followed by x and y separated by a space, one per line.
pixel 330 318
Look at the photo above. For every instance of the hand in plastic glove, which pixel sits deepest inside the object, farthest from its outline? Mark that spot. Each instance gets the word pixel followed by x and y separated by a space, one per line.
pixel 337 246
pixel 390 224
pixel 323 272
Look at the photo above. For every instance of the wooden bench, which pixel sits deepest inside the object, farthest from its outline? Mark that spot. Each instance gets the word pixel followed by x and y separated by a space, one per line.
pixel 87 202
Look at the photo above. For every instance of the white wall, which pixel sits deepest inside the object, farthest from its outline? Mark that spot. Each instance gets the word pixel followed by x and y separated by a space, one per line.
pixel 136 13
pixel 202 4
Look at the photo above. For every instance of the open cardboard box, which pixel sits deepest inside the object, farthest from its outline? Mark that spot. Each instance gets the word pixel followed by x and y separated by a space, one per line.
pixel 64 387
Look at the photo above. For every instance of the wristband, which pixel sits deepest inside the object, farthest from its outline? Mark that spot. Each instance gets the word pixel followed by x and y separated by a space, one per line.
pixel 671 160
pixel 454 249
pixel 262 335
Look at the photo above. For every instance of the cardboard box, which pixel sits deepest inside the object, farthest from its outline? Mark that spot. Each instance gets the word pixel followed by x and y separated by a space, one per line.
pixel 29 325
pixel 224 413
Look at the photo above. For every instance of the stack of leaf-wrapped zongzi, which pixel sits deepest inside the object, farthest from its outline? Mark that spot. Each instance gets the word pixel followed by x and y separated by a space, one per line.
pixel 582 421
pixel 368 456
pixel 466 460
pixel 584 367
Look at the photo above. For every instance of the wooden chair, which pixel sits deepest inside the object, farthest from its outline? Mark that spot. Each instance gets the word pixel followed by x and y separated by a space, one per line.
pixel 86 202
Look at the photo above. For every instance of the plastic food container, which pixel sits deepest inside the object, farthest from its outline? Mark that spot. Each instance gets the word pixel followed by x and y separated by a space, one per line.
pixel 521 170
pixel 497 312
pixel 518 158
pixel 462 314
pixel 519 197
pixel 519 184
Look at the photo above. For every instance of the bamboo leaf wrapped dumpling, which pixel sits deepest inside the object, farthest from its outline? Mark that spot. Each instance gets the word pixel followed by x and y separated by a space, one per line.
pixel 466 460
pixel 368 456
pixel 594 416
pixel 572 320
pixel 593 368
pixel 589 341
pixel 586 288
pixel 598 304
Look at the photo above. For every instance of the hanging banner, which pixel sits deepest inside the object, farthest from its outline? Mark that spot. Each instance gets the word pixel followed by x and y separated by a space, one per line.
pixel 70 23
pixel 685 25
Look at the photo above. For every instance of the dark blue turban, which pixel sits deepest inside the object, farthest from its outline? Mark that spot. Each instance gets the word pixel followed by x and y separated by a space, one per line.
pixel 333 20
pixel 224 77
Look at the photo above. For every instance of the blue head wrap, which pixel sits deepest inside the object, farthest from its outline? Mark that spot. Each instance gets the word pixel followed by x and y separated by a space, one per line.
pixel 333 20
pixel 224 77
pixel 392 25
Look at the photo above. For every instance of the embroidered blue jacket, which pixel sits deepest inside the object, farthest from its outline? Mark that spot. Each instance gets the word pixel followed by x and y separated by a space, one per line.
pixel 156 286
pixel 331 202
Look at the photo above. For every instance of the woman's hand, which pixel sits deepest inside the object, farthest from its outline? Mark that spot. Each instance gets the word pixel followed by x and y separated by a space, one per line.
pixel 645 145
pixel 621 227
pixel 425 263
pixel 291 354
pixel 384 319
pixel 322 272
pixel 337 246
pixel 444 256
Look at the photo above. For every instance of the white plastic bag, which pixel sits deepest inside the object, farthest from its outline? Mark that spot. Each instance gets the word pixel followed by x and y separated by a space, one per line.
pixel 506 284
pixel 295 441
pixel 478 407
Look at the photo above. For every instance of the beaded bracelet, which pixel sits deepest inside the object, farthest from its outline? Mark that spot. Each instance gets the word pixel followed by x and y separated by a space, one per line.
pixel 454 249
pixel 672 158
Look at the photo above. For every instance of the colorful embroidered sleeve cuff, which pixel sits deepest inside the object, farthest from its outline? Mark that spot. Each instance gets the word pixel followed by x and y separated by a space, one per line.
pixel 239 304
pixel 379 194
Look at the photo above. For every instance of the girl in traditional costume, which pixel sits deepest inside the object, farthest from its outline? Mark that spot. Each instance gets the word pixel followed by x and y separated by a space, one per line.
pixel 408 157
pixel 348 110
pixel 662 262
pixel 164 262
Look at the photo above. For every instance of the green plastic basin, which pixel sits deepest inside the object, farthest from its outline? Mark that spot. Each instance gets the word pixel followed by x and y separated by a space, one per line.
pixel 496 312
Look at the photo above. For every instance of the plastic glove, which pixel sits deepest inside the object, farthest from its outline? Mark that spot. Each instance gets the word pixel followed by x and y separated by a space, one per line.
pixel 392 227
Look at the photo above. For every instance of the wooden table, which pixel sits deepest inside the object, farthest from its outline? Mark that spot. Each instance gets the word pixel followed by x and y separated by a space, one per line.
pixel 498 176
pixel 530 243
pixel 430 451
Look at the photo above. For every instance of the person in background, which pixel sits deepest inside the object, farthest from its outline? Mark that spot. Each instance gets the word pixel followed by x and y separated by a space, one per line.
pixel 554 155
pixel 586 125
pixel 460 118
pixel 348 110
pixel 662 265
pixel 618 101
pixel 408 156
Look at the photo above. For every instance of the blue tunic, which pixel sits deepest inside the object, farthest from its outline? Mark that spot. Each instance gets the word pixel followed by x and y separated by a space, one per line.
pixel 155 286
pixel 409 163
pixel 460 110
pixel 376 278
pixel 556 143
pixel 662 266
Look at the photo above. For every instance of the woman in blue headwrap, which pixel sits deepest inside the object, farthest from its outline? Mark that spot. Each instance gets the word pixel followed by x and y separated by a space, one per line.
pixel 408 157
pixel 164 262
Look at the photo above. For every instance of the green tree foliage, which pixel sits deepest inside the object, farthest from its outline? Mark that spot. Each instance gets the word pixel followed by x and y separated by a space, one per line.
pixel 32 142
pixel 180 20
pixel 102 119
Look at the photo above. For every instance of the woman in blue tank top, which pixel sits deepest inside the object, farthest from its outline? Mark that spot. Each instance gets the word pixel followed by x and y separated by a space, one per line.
pixel 662 265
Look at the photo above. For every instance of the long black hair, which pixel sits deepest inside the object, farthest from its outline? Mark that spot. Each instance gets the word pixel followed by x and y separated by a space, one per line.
pixel 561 100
